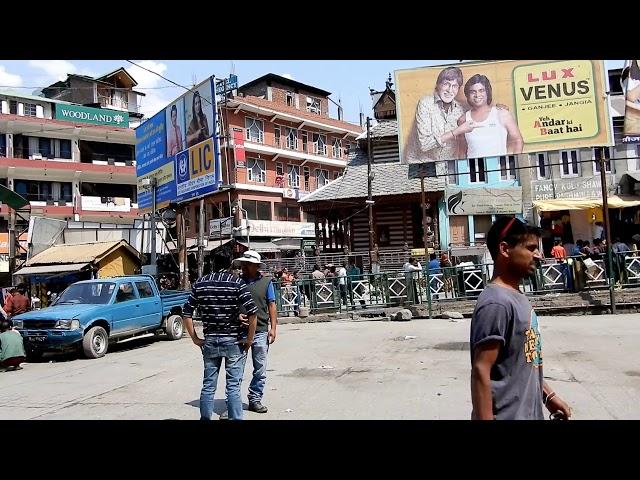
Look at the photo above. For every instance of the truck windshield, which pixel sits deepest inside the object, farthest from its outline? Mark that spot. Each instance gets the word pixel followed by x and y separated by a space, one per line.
pixel 91 293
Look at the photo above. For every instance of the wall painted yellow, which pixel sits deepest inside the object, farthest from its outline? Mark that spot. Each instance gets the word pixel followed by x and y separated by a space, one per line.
pixel 118 262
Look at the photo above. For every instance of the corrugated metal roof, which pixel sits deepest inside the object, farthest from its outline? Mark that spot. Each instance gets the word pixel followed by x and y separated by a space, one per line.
pixel 7 93
pixel 58 268
pixel 77 252
pixel 389 179
pixel 384 128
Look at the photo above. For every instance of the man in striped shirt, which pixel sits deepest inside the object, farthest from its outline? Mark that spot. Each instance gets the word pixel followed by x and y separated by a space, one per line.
pixel 218 298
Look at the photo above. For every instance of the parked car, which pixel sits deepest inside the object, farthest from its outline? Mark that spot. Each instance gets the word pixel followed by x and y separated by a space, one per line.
pixel 91 314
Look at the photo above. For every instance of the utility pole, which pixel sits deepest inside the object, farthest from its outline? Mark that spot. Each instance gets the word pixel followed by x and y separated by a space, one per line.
pixel 182 248
pixel 154 260
pixel 369 194
pixel 201 239
pixel 607 229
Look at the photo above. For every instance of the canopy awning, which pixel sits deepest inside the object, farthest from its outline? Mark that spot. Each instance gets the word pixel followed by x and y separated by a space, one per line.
pixel 288 243
pixel 52 269
pixel 615 201
pixel 261 246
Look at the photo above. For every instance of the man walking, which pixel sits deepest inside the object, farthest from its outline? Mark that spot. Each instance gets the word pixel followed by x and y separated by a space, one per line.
pixel 218 298
pixel 506 349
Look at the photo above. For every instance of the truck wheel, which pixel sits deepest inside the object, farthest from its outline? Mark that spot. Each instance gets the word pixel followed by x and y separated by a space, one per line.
pixel 95 342
pixel 175 327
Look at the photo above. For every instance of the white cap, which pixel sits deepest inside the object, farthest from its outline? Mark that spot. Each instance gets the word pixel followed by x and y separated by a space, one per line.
pixel 250 256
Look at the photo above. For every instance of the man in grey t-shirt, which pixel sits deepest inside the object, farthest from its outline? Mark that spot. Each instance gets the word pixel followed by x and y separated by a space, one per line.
pixel 506 349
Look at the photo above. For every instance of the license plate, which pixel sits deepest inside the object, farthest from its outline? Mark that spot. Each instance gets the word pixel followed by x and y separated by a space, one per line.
pixel 36 339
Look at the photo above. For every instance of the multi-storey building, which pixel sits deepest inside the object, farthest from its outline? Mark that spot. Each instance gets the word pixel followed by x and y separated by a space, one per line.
pixel 70 161
pixel 281 145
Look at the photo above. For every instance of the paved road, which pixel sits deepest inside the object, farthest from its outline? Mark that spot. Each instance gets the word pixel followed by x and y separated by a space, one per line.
pixel 338 370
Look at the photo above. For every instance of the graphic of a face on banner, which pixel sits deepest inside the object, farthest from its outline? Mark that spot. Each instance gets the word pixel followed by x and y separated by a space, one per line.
pixel 199 115
pixel 490 109
pixel 630 79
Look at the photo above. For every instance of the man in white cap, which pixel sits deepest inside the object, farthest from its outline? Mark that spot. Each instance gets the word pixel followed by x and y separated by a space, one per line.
pixel 263 295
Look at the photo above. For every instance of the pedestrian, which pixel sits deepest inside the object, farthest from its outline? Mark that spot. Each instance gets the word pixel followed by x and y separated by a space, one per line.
pixel 342 282
pixel 219 298
pixel 507 381
pixel 12 352
pixel 317 274
pixel 17 302
pixel 411 269
pixel 263 294
pixel 375 259
pixel 354 274
pixel 558 251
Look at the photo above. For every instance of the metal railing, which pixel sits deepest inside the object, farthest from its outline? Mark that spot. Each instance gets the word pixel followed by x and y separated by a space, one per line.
pixel 460 282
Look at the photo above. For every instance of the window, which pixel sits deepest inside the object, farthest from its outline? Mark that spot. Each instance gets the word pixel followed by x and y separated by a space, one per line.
pixel 477 170
pixel 305 142
pixel 279 168
pixel 313 105
pixel 276 134
pixel 508 167
pixel 65 149
pixel 44 145
pixel 597 154
pixel 255 170
pixel 144 289
pixel 290 102
pixel 337 148
pixel 541 162
pixel 293 175
pixel 292 138
pixel 570 160
pixel 13 107
pixel 452 172
pixel 3 145
pixel 257 210
pixel 336 174
pixel 288 213
pixel 637 159
pixel 29 109
pixel 319 144
pixel 254 129
pixel 322 177
pixel 125 293
pixel 307 175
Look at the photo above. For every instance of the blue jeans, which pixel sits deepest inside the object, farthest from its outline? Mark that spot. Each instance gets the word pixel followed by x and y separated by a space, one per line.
pixel 259 350
pixel 214 350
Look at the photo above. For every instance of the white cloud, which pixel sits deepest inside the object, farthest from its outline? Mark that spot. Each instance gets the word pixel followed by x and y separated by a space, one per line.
pixel 9 79
pixel 155 100
pixel 147 79
pixel 287 75
pixel 55 69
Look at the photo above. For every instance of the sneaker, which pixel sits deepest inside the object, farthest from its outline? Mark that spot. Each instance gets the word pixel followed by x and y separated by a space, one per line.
pixel 257 407
pixel 224 415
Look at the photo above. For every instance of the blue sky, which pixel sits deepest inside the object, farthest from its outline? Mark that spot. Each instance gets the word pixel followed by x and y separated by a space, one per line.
pixel 347 80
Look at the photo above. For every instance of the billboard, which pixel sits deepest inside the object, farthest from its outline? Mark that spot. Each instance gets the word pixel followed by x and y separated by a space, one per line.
pixel 630 79
pixel 179 148
pixel 94 116
pixel 488 109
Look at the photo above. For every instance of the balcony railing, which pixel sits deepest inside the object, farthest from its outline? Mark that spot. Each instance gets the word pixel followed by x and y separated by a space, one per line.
pixel 49 198
pixel 29 154
pixel 106 204
pixel 107 159
pixel 295 145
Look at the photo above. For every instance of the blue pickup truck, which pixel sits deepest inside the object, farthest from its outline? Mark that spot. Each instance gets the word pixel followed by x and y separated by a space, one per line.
pixel 92 313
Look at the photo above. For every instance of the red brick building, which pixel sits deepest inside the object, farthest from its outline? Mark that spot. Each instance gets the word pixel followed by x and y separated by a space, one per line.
pixel 291 146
